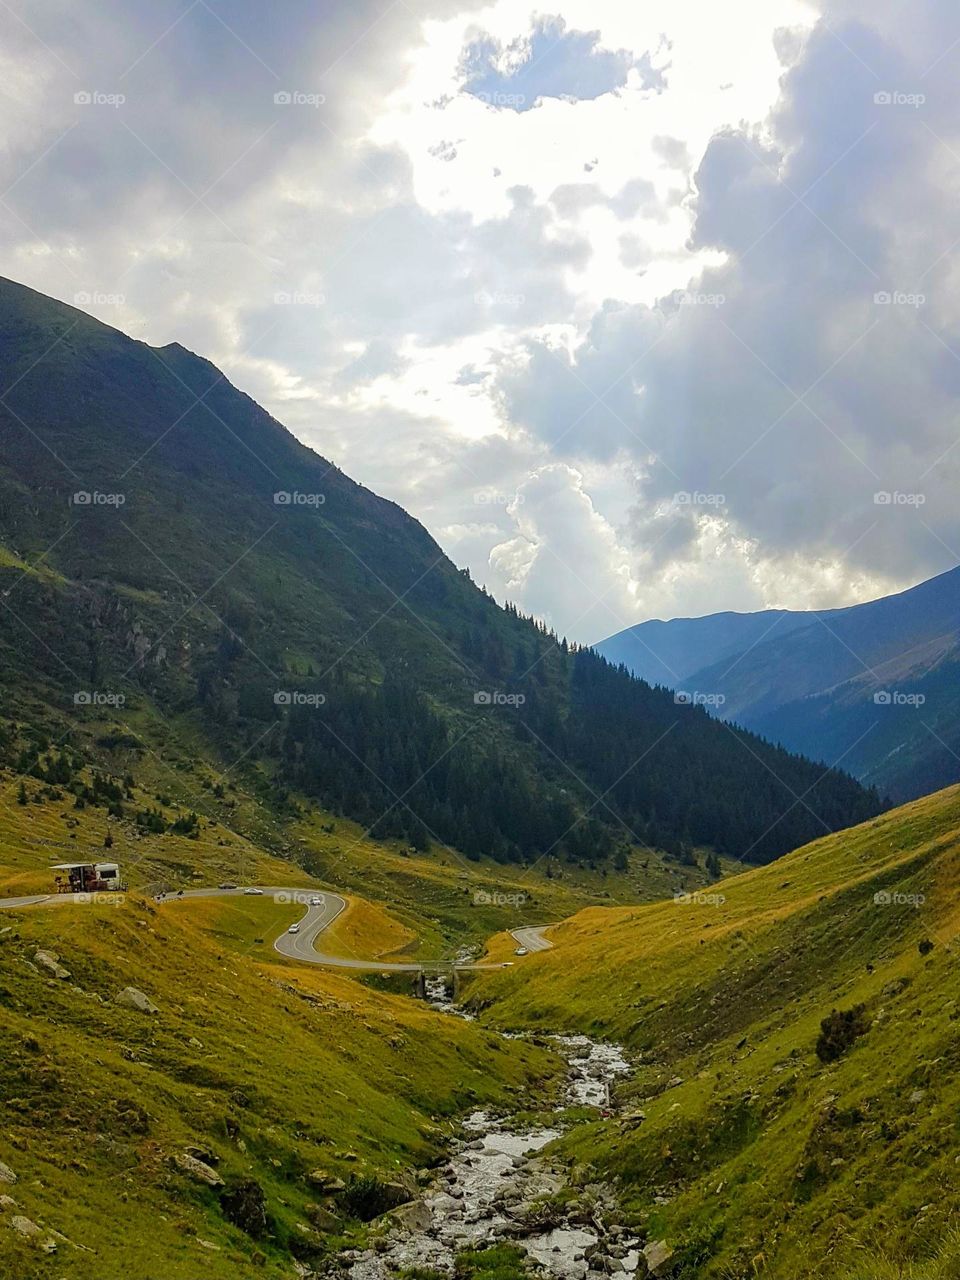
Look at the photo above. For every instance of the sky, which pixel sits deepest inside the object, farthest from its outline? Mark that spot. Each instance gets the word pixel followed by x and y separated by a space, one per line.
pixel 643 310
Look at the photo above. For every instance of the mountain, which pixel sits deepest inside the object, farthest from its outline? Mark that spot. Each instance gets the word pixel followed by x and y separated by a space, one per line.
pixel 167 549
pixel 667 653
pixel 874 687
pixel 794 1109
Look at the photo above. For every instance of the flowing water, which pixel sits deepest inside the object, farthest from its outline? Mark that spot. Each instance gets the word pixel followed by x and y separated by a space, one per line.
pixel 483 1196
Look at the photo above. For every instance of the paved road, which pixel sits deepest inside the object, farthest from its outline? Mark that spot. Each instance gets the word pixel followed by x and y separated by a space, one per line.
pixel 532 937
pixel 317 918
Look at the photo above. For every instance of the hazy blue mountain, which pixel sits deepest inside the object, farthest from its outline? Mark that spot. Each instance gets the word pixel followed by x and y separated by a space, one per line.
pixel 875 687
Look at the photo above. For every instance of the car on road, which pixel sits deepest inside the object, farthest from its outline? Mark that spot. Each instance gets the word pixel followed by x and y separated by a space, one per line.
pixel 521 951
pixel 316 902
pixel 294 928
pixel 257 893
pixel 228 884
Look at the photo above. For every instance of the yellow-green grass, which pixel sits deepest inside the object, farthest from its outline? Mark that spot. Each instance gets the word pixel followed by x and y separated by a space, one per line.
pixel 754 1157
pixel 277 1069
pixel 364 931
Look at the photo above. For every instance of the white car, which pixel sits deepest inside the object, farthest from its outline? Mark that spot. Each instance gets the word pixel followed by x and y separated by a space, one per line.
pixel 253 893
pixel 521 951
pixel 316 902
pixel 294 928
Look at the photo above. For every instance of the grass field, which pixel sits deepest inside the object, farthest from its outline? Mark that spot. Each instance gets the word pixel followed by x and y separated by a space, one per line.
pixel 743 1149
pixel 276 1069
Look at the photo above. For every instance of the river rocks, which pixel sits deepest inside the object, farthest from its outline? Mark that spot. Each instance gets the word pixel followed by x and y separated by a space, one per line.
pixel 50 961
pixel 134 998
pixel 656 1255
pixel 497 1188
pixel 414 1216
pixel 196 1169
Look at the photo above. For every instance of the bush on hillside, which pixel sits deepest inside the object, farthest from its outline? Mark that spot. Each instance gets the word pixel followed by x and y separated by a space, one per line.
pixel 839 1030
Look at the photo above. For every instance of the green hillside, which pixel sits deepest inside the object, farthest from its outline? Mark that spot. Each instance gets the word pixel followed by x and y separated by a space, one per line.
pixel 754 1139
pixel 170 550
pixel 273 1075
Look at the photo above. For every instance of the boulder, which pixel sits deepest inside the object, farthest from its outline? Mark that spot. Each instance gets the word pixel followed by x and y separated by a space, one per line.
pixel 657 1254
pixel 322 1218
pixel 50 961
pixel 414 1216
pixel 196 1169
pixel 133 998
pixel 245 1205
pixel 326 1181
pixel 7 1174
pixel 23 1226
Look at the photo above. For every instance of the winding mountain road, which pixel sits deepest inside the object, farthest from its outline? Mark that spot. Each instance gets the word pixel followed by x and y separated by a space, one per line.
pixel 319 916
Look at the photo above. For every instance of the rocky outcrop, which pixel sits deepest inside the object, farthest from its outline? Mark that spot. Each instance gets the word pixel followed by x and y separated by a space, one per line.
pixel 134 998
pixel 50 961
pixel 196 1169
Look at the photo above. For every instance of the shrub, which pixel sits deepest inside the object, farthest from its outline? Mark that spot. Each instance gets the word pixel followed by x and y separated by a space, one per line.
pixel 839 1030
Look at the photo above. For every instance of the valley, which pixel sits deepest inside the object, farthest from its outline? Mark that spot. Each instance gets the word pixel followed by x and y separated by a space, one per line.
pixel 352 925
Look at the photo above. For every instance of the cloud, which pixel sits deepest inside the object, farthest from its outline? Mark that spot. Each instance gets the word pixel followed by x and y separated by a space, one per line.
pixel 818 363
pixel 553 61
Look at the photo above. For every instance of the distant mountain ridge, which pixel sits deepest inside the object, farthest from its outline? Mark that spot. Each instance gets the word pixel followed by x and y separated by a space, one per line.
pixel 875 686
pixel 667 652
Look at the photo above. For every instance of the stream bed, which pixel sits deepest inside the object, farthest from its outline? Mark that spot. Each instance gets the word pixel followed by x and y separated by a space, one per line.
pixel 491 1189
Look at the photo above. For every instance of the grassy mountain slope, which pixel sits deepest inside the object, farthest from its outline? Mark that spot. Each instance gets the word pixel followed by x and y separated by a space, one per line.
pixel 276 1071
pixel 326 637
pixel 737 1144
